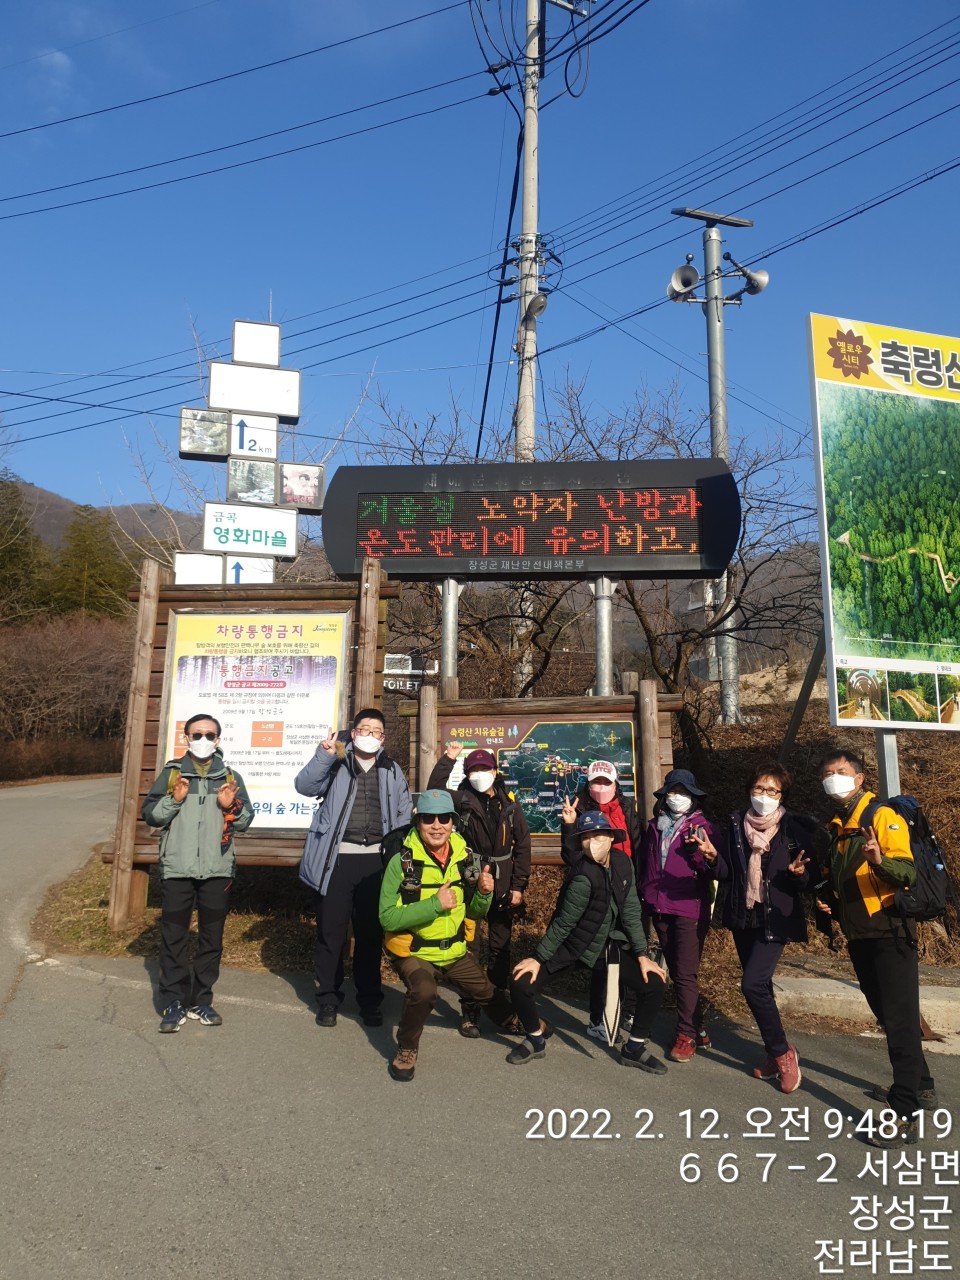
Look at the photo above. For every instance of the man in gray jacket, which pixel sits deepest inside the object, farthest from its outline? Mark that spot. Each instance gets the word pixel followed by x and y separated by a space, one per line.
pixel 364 795
pixel 198 803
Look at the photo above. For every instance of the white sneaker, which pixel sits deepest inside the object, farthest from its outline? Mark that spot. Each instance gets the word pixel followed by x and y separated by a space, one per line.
pixel 597 1031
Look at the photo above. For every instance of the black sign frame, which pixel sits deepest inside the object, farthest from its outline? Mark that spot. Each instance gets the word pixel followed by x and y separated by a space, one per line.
pixel 716 489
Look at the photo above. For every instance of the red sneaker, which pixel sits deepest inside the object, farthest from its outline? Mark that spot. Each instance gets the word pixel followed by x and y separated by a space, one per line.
pixel 684 1048
pixel 788 1065
pixel 767 1070
pixel 703 1039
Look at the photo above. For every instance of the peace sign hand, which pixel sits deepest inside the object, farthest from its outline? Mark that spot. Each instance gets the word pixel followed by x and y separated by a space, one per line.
pixel 871 848
pixel 568 814
pixel 799 865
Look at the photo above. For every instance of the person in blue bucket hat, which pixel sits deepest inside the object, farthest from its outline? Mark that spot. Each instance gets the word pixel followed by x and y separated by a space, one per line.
pixel 597 912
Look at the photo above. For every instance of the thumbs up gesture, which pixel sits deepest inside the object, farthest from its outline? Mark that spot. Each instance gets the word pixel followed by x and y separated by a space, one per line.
pixel 485 883
pixel 446 896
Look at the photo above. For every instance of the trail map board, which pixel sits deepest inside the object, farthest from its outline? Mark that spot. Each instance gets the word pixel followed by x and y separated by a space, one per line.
pixel 544 760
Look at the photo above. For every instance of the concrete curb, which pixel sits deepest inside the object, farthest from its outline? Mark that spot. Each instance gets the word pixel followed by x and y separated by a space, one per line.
pixel 838 998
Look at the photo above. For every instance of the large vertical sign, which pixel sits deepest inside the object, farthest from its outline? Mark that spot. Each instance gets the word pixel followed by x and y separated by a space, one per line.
pixel 277 684
pixel 887 409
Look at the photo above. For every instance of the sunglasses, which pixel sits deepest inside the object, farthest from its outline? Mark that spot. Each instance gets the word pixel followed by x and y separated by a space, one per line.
pixel 210 736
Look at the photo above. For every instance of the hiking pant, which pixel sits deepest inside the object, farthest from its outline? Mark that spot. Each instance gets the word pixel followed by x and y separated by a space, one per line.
pixel 177 898
pixel 422 981
pixel 758 960
pixel 648 995
pixel 499 927
pixel 886 969
pixel 682 941
pixel 353 896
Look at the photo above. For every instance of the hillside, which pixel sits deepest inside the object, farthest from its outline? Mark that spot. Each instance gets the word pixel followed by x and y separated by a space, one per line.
pixel 50 514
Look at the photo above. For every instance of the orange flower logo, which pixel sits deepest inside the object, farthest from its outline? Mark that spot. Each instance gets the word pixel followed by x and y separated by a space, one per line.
pixel 849 353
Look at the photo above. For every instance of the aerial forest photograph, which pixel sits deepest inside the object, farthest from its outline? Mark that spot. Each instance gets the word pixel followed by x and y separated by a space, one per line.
pixel 891 465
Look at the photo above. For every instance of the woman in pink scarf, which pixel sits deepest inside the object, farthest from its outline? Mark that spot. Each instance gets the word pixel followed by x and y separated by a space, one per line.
pixel 765 870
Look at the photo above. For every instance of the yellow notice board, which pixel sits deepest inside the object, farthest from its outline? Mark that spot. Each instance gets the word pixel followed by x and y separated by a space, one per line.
pixel 277 684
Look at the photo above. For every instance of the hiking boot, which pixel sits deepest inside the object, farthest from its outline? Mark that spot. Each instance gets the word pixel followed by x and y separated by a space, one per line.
pixel 788 1068
pixel 206 1015
pixel 767 1070
pixel 907 1133
pixel 327 1015
pixel 469 1021
pixel 526 1052
pixel 642 1058
pixel 402 1067
pixel 513 1026
pixel 174 1016
pixel 703 1039
pixel 684 1048
pixel 597 1031
pixel 926 1098
pixel 370 1018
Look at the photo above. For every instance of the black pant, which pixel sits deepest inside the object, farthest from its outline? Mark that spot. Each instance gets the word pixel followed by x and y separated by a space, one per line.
pixel 353 894
pixel 758 960
pixel 649 994
pixel 886 969
pixel 598 994
pixel 499 927
pixel 177 897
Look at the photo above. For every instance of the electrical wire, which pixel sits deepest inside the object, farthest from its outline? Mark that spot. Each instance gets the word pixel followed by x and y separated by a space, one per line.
pixel 231 75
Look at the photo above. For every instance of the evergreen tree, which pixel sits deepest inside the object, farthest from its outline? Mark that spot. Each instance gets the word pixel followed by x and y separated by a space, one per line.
pixel 91 576
pixel 24 561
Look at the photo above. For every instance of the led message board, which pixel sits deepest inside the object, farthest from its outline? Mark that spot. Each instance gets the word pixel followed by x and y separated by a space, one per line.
pixel 663 519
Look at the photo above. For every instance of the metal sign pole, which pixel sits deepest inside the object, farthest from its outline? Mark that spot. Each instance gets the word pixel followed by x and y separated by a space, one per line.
pixel 888 763
pixel 449 626
pixel 603 616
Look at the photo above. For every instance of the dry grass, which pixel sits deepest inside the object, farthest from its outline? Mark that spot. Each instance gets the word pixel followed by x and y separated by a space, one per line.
pixel 270 926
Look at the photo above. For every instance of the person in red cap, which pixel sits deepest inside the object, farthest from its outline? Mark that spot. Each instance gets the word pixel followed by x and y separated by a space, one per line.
pixel 494 826
pixel 601 793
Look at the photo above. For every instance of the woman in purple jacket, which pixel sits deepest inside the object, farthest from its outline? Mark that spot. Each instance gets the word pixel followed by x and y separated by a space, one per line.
pixel 676 888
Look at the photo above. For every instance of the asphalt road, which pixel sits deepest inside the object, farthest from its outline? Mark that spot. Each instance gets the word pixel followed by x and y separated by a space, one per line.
pixel 271 1148
pixel 47 831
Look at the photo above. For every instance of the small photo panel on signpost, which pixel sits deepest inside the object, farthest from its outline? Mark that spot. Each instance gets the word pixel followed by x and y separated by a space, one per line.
pixel 249 481
pixel 204 434
pixel 301 485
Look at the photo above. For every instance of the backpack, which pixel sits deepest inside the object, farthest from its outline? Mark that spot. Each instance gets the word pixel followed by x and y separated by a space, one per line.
pixel 927 899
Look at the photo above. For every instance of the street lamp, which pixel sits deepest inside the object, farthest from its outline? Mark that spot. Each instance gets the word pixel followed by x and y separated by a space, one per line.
pixel 681 288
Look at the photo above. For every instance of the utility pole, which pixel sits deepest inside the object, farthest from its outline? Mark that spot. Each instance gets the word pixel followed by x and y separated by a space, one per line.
pixel 531 306
pixel 680 289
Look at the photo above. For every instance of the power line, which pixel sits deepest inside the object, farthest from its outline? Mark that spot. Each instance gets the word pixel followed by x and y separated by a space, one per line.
pixel 231 75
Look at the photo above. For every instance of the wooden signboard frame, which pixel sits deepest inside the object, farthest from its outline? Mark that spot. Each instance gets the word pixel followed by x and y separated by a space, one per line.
pixel 649 710
pixel 135 846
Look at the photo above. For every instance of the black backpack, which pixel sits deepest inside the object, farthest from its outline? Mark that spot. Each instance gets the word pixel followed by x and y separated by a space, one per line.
pixel 927 899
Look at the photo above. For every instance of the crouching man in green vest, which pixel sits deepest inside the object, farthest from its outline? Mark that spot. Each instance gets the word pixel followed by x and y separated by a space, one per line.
pixel 430 894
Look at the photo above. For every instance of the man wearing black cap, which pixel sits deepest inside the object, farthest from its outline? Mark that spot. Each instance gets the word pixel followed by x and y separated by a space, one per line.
pixel 495 827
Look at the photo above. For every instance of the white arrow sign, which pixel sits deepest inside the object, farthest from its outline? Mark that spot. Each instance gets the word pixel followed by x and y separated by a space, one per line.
pixel 249 570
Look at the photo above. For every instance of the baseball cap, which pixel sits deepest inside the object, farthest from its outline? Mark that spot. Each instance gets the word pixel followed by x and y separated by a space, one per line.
pixel 479 760
pixel 593 823
pixel 601 769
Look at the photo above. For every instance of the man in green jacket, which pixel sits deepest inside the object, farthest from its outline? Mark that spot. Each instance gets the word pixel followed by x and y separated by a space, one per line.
pixel 198 803
pixel 431 893
pixel 598 910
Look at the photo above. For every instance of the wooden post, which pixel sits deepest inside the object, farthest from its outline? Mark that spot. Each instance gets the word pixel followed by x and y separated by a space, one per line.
pixel 803 697
pixel 427 734
pixel 649 746
pixel 367 624
pixel 449 688
pixel 629 681
pixel 128 885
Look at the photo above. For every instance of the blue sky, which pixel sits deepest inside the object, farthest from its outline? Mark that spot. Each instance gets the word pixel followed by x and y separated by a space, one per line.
pixel 334 231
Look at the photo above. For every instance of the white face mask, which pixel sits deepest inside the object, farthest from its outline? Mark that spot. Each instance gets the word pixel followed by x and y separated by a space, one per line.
pixel 838 785
pixel 202 749
pixel 368 743
pixel 679 804
pixel 763 805
pixel 482 782
pixel 598 847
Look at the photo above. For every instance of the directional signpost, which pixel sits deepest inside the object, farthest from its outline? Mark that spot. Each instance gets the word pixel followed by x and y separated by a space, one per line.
pixel 249 397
